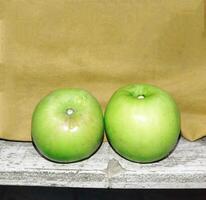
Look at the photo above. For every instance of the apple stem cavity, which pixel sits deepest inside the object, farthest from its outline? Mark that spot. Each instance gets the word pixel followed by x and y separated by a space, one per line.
pixel 140 97
pixel 70 111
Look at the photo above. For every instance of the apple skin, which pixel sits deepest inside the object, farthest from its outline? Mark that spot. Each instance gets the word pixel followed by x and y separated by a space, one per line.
pixel 142 123
pixel 67 125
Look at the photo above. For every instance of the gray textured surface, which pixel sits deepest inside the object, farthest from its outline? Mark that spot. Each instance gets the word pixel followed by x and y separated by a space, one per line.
pixel 20 164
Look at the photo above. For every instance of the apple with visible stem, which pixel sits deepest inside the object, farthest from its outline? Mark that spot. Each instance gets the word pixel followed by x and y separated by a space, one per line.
pixel 142 123
pixel 67 125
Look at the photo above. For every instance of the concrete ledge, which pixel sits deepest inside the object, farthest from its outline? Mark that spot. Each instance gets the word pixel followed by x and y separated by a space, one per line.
pixel 20 164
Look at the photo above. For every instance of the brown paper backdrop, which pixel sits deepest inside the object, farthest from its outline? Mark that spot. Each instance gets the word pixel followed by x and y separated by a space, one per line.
pixel 101 45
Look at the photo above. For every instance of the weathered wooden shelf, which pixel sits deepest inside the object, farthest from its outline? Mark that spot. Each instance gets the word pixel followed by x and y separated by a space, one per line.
pixel 20 164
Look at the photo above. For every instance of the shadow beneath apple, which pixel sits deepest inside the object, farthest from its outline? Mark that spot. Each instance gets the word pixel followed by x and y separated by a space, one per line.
pixel 13 140
pixel 152 161
pixel 66 162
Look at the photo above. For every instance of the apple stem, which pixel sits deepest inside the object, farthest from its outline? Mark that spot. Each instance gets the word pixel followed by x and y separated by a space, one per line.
pixel 70 111
pixel 141 97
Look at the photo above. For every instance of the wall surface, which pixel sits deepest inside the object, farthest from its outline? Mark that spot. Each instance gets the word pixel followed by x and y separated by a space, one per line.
pixel 100 46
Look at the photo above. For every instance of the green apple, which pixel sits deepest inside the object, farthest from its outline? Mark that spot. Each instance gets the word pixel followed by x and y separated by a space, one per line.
pixel 142 123
pixel 67 125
